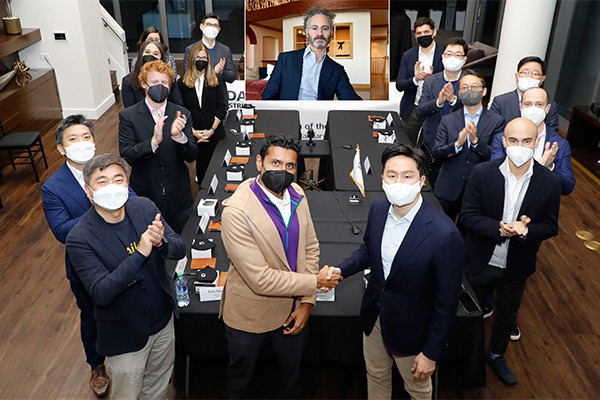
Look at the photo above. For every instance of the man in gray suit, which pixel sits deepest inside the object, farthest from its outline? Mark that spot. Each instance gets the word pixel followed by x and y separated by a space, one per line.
pixel 219 53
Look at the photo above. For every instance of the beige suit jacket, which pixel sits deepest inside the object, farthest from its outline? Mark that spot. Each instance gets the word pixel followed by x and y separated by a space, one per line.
pixel 260 287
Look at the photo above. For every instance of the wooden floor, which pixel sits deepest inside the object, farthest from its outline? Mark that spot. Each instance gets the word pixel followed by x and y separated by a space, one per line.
pixel 41 356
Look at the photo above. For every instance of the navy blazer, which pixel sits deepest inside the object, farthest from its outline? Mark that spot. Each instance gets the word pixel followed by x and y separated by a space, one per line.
pixel 114 279
pixel 428 106
pixel 151 172
pixel 406 73
pixel 507 105
pixel 482 208
pixel 131 96
pixel 221 51
pixel 417 302
pixel 284 83
pixel 64 202
pixel 562 162
pixel 456 168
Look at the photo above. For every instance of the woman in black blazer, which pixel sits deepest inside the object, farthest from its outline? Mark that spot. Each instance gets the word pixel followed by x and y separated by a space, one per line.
pixel 201 82
pixel 131 89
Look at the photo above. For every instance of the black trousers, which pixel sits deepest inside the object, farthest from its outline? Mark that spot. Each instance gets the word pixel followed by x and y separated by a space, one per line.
pixel 205 153
pixel 175 220
pixel 244 350
pixel 509 295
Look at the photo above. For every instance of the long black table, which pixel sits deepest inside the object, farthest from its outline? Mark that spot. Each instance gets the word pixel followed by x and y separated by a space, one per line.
pixel 335 334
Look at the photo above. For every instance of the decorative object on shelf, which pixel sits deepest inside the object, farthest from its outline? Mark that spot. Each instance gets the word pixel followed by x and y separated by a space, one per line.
pixel 12 24
pixel 23 77
pixel 5 79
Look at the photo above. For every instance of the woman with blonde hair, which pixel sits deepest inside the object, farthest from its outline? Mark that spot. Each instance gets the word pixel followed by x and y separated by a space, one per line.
pixel 204 94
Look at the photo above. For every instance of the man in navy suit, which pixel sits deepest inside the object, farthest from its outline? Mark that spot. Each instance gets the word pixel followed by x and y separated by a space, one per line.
pixel 309 74
pixel 531 72
pixel 464 140
pixel 64 202
pixel 118 250
pixel 417 63
pixel 551 150
pixel 440 90
pixel 416 255
pixel 155 138
pixel 510 206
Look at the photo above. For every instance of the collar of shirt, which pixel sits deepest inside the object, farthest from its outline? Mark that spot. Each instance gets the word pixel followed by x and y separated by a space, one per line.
pixel 505 170
pixel 409 217
pixel 77 174
pixel 309 53
pixel 448 79
pixel 541 143
pixel 475 118
pixel 209 46
pixel 157 113
pixel 427 57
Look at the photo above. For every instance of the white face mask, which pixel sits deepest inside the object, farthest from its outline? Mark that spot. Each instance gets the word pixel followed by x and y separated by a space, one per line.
pixel 401 194
pixel 210 32
pixel 453 64
pixel 519 155
pixel 534 114
pixel 111 197
pixel 527 83
pixel 80 152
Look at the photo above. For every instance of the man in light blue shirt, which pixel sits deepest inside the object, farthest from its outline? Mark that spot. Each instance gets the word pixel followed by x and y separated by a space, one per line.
pixel 310 74
pixel 463 140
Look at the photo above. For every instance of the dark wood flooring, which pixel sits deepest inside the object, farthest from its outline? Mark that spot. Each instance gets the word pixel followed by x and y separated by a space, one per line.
pixel 41 356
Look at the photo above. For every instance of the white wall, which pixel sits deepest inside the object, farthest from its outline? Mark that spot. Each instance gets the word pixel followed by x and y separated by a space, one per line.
pixel 80 62
pixel 254 52
pixel 359 67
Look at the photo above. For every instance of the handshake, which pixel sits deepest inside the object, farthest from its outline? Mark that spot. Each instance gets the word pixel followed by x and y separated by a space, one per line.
pixel 328 278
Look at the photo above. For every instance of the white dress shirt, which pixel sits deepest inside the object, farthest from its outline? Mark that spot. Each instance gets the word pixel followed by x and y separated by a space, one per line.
pixel 77 174
pixel 514 193
pixel 200 89
pixel 426 62
pixel 283 205
pixel 311 72
pixel 394 233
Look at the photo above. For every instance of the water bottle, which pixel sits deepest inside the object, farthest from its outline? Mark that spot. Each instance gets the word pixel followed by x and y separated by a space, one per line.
pixel 181 289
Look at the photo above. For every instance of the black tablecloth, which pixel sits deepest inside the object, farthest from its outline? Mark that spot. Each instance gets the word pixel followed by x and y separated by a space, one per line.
pixel 335 334
pixel 352 128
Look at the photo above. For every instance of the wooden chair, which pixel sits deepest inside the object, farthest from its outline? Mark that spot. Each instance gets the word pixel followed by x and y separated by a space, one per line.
pixel 22 148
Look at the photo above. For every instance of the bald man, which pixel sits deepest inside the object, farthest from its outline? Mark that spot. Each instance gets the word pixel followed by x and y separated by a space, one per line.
pixel 551 150
pixel 510 206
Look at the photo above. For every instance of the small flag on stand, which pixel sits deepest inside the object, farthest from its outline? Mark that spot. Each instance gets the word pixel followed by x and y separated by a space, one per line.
pixel 356 173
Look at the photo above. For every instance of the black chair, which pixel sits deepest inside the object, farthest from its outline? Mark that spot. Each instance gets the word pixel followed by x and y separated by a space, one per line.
pixel 22 148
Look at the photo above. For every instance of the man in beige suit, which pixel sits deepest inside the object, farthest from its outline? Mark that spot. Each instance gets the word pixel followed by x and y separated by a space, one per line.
pixel 271 284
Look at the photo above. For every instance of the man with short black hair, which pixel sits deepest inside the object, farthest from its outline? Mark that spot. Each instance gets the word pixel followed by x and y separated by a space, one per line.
pixel 416 256
pixel 464 140
pixel 309 73
pixel 272 279
pixel 531 72
pixel 510 206
pixel 118 250
pixel 220 54
pixel 416 65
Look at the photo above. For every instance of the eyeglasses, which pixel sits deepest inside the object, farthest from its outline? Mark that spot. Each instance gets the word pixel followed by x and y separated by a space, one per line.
pixel 448 54
pixel 474 87
pixel 209 24
pixel 527 73
pixel 315 28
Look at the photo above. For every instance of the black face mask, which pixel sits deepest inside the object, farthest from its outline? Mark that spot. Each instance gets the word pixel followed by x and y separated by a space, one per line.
pixel 148 58
pixel 277 180
pixel 158 93
pixel 201 65
pixel 425 40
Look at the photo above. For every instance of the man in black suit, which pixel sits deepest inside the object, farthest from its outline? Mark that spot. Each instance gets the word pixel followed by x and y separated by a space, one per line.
pixel 510 206
pixel 417 63
pixel 463 140
pixel 416 256
pixel 118 249
pixel 531 73
pixel 155 138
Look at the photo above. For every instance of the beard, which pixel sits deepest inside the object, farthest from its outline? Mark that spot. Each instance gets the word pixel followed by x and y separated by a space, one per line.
pixel 323 42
